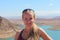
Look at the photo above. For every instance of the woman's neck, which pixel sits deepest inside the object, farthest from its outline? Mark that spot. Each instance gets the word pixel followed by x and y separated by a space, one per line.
pixel 27 31
pixel 29 27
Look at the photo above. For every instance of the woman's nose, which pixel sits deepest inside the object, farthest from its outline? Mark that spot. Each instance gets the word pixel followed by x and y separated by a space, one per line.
pixel 28 19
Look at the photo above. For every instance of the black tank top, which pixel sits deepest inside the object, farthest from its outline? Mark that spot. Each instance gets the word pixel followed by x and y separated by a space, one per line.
pixel 20 36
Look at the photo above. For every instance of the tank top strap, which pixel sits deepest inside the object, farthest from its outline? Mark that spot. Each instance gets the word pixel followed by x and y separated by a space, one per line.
pixel 20 36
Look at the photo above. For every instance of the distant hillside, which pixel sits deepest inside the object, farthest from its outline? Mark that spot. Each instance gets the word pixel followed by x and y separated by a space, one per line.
pixel 55 22
pixel 14 17
pixel 37 17
pixel 6 25
pixel 58 17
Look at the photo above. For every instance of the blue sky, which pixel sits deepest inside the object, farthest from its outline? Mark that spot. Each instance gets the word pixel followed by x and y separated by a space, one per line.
pixel 43 8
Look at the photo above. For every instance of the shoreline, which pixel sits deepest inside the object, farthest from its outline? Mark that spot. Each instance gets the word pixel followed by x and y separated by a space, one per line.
pixel 7 35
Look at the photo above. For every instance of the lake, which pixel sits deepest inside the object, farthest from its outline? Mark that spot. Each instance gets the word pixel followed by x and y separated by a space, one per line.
pixel 55 34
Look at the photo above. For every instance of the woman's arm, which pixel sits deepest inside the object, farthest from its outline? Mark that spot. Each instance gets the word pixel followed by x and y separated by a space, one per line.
pixel 44 35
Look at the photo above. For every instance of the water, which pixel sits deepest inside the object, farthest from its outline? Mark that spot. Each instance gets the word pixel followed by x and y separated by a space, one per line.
pixel 6 38
pixel 53 33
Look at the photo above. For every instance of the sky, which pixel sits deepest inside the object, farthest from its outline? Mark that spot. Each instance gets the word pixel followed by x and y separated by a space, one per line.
pixel 42 8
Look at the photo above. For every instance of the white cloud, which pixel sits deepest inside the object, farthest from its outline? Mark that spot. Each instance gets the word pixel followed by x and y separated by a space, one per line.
pixel 51 4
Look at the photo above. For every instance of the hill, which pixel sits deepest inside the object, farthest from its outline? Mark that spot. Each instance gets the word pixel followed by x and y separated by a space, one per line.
pixel 7 28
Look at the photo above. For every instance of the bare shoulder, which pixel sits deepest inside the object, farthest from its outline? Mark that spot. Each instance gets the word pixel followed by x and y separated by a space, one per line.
pixel 41 30
pixel 44 34
pixel 17 34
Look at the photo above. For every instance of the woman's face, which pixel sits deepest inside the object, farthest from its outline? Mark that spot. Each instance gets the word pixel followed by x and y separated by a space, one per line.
pixel 28 18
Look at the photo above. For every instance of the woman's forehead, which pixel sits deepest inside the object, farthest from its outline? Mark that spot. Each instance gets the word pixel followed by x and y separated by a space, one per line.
pixel 28 15
pixel 28 12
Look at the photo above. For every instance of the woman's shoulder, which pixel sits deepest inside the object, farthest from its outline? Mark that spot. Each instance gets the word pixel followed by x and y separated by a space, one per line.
pixel 41 30
pixel 18 31
pixel 17 34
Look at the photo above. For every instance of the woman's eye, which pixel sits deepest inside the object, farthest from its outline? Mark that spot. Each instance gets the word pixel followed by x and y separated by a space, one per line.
pixel 25 18
pixel 28 18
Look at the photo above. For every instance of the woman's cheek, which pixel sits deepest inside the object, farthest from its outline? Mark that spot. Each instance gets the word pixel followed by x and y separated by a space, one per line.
pixel 32 21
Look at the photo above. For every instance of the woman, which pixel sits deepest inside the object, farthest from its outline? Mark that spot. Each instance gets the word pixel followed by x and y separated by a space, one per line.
pixel 31 30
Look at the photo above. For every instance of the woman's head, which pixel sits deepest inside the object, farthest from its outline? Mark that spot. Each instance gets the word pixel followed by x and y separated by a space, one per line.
pixel 28 16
